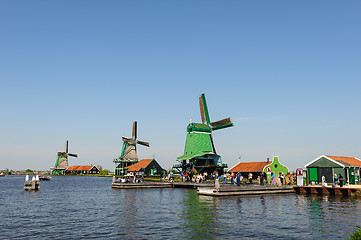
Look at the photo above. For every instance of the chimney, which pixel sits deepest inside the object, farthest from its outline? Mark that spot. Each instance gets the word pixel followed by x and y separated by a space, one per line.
pixel 267 160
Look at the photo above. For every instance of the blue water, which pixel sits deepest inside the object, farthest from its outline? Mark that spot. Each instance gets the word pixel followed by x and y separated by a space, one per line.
pixel 80 207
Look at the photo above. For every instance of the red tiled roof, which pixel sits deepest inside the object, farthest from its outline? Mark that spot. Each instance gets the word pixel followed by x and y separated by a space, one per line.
pixel 350 160
pixel 79 168
pixel 137 166
pixel 249 167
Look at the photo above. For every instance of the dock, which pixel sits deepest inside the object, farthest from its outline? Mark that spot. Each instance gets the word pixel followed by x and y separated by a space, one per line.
pixel 152 184
pixel 142 185
pixel 345 191
pixel 244 190
pixel 208 188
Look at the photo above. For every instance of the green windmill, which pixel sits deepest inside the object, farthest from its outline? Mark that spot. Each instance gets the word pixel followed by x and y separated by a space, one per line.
pixel 199 152
pixel 128 155
pixel 62 161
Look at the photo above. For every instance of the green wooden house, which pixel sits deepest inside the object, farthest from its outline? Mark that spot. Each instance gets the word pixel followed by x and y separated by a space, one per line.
pixel 276 167
pixel 328 166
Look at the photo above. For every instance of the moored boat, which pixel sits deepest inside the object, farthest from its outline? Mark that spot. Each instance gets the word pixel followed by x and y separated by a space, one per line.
pixel 44 178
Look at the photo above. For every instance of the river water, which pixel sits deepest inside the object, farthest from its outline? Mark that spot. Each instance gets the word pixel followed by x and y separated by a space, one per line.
pixel 81 207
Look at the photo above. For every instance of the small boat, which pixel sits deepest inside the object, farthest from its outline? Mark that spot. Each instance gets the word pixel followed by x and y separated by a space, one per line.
pixel 2 175
pixel 44 178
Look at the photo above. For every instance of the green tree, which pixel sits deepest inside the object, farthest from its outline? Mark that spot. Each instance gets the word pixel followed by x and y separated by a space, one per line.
pixel 100 168
pixel 356 235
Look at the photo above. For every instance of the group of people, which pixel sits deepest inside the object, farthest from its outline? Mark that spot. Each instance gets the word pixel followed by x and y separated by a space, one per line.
pixel 338 180
pixel 130 178
pixel 189 176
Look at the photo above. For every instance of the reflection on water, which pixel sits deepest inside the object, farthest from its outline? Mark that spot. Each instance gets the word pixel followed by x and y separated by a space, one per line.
pixel 199 217
pixel 87 207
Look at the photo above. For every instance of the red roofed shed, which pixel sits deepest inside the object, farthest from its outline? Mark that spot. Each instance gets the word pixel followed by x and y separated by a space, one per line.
pixel 91 169
pixel 149 167
pixel 256 168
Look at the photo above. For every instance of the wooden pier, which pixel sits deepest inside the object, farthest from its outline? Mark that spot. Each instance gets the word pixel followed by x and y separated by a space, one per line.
pixel 243 190
pixel 160 185
pixel 345 191
pixel 208 188
pixel 142 185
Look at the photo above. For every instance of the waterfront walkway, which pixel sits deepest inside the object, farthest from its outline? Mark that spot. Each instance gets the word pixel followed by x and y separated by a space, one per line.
pixel 154 184
pixel 348 190
pixel 208 188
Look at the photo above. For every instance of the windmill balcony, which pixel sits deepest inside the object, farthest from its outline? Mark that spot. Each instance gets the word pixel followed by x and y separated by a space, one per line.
pixel 177 165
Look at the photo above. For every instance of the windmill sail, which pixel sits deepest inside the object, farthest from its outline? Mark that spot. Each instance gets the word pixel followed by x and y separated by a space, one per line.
pixel 221 124
pixel 134 132
pixel 143 143
pixel 204 109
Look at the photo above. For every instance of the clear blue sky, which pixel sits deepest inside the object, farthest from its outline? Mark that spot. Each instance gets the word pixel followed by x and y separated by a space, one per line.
pixel 287 72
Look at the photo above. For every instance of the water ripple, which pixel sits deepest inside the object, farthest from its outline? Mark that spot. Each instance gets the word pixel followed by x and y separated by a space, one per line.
pixel 75 207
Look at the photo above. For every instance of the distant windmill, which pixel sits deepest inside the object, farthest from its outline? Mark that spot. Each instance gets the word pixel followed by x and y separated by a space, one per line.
pixel 199 148
pixel 128 155
pixel 62 160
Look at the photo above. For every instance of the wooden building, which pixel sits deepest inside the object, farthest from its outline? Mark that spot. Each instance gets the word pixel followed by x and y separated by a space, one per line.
pixel 328 166
pixel 91 169
pixel 149 167
pixel 256 168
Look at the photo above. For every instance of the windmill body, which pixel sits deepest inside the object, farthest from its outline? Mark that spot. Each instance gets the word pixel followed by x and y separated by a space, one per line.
pixel 128 155
pixel 61 163
pixel 200 155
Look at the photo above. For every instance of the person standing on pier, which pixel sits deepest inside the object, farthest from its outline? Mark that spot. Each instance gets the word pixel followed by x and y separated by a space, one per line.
pixel 262 178
pixel 340 179
pixel 273 178
pixel 238 179
pixel 335 180
pixel 250 178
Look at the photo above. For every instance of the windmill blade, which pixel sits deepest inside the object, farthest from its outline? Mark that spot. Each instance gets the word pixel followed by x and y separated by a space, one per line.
pixel 129 140
pixel 204 109
pixel 134 132
pixel 73 155
pixel 67 146
pixel 143 143
pixel 221 122
pixel 225 123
